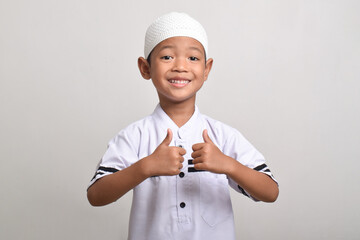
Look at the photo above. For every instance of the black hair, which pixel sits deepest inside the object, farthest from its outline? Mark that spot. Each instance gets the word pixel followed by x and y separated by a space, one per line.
pixel 148 58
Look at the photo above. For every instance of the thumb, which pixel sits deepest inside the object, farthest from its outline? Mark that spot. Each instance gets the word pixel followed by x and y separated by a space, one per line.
pixel 168 138
pixel 206 137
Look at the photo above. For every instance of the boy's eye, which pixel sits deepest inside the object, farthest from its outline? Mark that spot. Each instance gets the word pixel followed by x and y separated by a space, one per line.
pixel 193 58
pixel 166 57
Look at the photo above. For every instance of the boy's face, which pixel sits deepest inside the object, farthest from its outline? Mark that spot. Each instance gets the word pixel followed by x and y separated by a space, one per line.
pixel 178 69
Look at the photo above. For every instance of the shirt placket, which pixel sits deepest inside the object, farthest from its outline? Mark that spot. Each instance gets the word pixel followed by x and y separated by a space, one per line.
pixel 182 188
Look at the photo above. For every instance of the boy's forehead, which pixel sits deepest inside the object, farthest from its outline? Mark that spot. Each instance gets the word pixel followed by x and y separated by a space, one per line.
pixel 174 25
pixel 180 42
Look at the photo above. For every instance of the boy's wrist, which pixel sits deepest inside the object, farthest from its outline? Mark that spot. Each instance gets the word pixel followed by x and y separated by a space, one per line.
pixel 144 167
pixel 230 166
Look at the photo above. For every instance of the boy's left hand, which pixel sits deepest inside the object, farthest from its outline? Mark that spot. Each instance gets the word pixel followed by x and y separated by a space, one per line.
pixel 207 156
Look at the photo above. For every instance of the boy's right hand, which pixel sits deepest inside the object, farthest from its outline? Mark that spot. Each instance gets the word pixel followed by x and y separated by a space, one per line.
pixel 165 160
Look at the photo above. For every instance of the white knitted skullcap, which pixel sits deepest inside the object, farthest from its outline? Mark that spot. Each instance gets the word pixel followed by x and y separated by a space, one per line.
pixel 174 25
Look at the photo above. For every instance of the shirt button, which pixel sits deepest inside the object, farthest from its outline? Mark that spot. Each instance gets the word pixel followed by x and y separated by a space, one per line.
pixel 182 174
pixel 182 205
pixel 181 146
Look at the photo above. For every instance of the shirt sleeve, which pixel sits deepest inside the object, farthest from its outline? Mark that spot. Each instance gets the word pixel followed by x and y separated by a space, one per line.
pixel 120 154
pixel 243 151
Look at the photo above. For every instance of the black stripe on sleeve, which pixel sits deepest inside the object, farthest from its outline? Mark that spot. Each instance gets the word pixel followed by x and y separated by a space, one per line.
pixel 264 169
pixel 108 169
pixel 98 173
pixel 103 170
pixel 243 191
pixel 261 167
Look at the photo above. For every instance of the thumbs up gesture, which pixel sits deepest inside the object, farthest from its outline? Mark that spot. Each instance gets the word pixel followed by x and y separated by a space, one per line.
pixel 166 160
pixel 207 156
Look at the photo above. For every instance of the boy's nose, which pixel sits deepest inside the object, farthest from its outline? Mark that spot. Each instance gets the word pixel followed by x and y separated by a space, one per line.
pixel 180 65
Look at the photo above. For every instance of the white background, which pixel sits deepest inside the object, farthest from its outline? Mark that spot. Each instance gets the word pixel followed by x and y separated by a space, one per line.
pixel 286 74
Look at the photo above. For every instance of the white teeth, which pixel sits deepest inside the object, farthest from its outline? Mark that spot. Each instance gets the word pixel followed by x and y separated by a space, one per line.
pixel 179 81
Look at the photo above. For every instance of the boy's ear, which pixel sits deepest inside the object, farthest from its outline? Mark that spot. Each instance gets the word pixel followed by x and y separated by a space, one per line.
pixel 144 68
pixel 208 67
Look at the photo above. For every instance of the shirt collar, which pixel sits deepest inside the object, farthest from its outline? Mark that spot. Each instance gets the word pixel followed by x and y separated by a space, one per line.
pixel 166 122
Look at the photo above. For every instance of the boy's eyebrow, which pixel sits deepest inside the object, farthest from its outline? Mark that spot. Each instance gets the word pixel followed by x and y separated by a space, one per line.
pixel 171 47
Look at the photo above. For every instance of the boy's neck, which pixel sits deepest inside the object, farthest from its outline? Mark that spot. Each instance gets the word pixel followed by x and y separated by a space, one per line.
pixel 180 113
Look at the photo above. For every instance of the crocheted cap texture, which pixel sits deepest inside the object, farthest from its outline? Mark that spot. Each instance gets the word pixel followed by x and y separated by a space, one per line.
pixel 174 25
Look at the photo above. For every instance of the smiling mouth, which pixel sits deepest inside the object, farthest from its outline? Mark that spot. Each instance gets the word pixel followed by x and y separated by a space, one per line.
pixel 179 81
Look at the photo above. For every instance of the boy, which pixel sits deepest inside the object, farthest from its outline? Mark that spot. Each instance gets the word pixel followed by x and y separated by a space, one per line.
pixel 178 161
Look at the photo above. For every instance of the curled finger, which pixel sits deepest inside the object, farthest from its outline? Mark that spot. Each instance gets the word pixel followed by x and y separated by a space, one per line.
pixel 197 146
pixel 196 154
pixel 182 151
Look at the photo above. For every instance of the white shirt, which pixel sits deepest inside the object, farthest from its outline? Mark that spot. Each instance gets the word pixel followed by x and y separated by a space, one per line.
pixel 189 206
